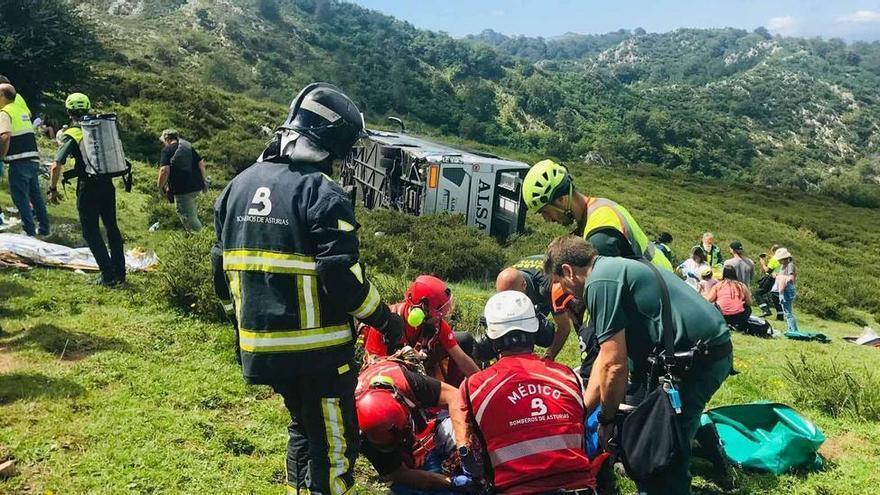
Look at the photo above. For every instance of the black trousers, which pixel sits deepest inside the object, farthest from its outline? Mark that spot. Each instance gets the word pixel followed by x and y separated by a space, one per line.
pixel 323 436
pixel 740 321
pixel 96 200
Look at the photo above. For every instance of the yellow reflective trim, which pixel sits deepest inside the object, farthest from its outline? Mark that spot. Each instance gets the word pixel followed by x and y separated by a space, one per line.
pixel 235 291
pixel 358 272
pixel 301 300
pixel 295 340
pixel 371 302
pixel 336 445
pixel 343 369
pixel 263 253
pixel 344 226
pixel 267 261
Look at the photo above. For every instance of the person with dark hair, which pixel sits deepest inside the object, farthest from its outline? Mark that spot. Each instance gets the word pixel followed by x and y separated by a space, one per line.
pixel 745 268
pixel 182 177
pixel 732 298
pixel 18 148
pixel 691 268
pixel 624 296
pixel 95 197
pixel 664 239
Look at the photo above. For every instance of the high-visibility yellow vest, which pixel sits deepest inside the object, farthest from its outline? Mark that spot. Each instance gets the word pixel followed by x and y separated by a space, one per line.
pixel 603 213
pixel 23 144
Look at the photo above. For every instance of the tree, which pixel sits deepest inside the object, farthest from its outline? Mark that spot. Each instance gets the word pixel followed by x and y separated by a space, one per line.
pixel 45 45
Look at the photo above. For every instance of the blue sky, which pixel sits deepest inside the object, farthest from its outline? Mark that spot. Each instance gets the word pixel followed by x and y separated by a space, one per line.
pixel 847 19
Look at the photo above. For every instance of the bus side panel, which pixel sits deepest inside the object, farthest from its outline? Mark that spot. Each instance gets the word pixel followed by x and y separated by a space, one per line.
pixel 482 192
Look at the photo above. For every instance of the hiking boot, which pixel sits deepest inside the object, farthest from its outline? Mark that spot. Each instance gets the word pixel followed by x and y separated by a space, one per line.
pixel 106 282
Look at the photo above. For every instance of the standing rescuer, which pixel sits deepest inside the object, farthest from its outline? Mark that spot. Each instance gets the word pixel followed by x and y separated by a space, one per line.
pixel 18 148
pixel 288 245
pixel 95 197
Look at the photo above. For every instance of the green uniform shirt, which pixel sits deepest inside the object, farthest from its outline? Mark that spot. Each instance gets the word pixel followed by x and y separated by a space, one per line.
pixel 610 242
pixel 624 294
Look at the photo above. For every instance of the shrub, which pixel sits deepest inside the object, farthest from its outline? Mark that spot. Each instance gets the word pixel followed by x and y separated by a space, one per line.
pixel 185 278
pixel 442 245
pixel 836 387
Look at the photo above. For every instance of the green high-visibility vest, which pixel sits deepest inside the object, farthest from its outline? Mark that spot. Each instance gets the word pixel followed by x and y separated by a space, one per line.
pixel 23 144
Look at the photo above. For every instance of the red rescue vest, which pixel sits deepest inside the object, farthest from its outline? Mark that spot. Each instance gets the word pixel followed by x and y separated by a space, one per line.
pixel 531 414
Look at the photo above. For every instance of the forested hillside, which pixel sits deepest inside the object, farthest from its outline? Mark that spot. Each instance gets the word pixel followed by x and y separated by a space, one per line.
pixel 774 111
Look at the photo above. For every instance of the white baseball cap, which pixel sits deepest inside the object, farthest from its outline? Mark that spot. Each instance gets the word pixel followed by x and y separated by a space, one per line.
pixel 508 311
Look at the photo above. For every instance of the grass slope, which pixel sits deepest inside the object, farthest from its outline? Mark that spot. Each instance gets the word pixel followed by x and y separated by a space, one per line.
pixel 112 391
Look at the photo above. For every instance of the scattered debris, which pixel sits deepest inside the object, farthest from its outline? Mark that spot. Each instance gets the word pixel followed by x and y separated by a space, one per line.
pixel 21 250
pixel 7 469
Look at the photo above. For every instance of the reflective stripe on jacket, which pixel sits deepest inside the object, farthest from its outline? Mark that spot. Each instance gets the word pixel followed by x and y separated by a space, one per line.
pixel 23 141
pixel 603 213
pixel 289 251
pixel 531 414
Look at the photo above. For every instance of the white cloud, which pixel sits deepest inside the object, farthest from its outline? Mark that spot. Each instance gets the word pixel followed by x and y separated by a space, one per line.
pixel 498 13
pixel 785 25
pixel 861 17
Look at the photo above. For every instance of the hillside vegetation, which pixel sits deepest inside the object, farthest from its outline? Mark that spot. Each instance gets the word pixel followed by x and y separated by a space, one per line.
pixel 136 390
pixel 747 106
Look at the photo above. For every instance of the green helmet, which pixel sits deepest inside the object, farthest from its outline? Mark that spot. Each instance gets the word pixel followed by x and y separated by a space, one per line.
pixel 78 101
pixel 545 182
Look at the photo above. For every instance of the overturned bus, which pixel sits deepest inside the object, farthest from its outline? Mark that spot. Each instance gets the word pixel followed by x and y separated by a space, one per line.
pixel 409 174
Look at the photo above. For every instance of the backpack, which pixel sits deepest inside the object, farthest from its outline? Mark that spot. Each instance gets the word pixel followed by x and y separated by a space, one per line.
pixel 101 151
pixel 101 147
pixel 758 327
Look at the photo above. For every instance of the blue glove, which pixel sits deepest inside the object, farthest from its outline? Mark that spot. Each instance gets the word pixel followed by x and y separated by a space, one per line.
pixel 464 483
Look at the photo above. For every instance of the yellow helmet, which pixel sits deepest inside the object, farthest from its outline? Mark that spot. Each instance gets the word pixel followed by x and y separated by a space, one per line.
pixel 78 101
pixel 544 183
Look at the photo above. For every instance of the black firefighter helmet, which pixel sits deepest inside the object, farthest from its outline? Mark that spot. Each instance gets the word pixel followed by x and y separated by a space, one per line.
pixel 327 117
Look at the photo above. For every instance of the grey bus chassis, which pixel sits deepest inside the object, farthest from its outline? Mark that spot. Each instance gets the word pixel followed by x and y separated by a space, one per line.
pixel 409 174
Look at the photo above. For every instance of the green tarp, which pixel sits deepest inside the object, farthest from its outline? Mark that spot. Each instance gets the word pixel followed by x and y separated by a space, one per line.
pixel 767 436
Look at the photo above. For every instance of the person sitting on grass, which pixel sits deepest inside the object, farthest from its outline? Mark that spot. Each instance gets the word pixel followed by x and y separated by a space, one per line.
pixel 733 299
pixel 690 268
pixel 706 281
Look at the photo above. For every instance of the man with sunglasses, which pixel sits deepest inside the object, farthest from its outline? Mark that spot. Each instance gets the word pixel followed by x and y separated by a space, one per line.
pixel 404 442
pixel 427 303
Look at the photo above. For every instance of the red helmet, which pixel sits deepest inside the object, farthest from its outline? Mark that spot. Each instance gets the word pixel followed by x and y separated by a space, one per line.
pixel 430 294
pixel 382 417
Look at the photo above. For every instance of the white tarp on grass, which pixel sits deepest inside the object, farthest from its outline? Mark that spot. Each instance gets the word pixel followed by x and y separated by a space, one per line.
pixel 24 249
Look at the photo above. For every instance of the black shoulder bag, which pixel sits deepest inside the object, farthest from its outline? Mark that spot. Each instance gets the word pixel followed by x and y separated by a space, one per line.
pixel 651 439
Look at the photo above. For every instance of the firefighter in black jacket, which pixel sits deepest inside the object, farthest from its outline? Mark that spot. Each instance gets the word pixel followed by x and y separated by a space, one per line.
pixel 288 250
